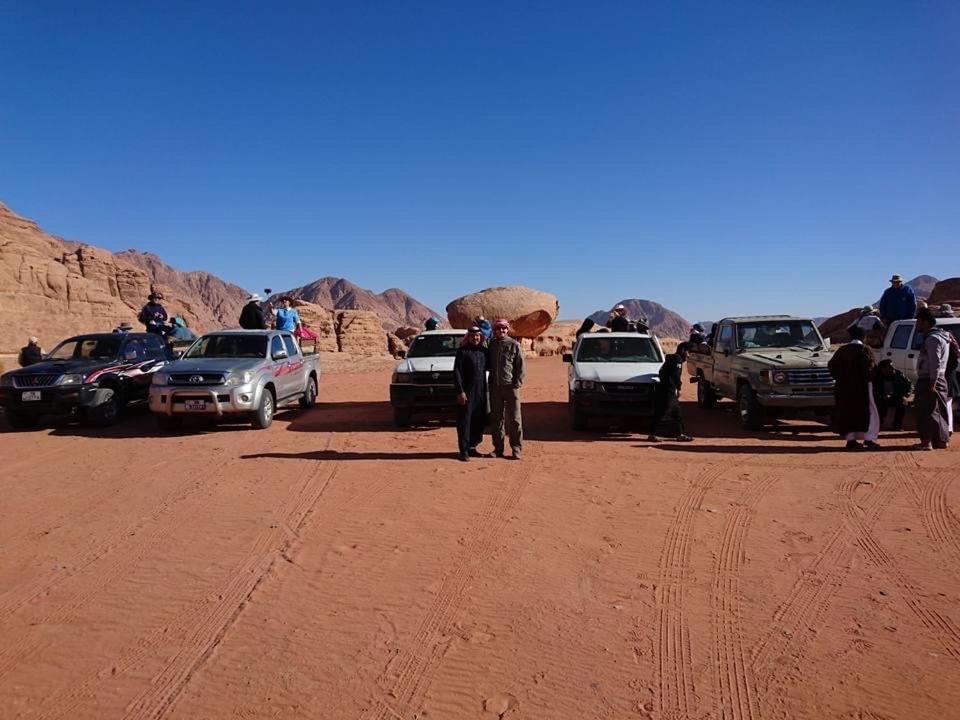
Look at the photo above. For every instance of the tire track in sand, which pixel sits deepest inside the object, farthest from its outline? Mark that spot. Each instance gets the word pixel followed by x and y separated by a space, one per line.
pixel 735 685
pixel 203 628
pixel 930 497
pixel 404 682
pixel 796 618
pixel 674 675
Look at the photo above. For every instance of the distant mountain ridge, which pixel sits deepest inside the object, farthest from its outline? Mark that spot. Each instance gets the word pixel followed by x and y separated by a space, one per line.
pixel 395 307
pixel 663 321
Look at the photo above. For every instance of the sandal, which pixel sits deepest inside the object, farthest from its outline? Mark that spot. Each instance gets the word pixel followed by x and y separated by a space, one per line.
pixel 921 446
pixel 684 438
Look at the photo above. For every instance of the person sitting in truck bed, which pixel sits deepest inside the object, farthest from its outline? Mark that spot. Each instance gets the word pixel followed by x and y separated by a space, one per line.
pixel 698 335
pixel 618 321
pixel 898 302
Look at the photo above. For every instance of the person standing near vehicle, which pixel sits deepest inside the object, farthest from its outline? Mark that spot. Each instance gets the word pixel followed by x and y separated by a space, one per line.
pixel 506 378
pixel 470 382
pixel 890 391
pixel 931 396
pixel 666 399
pixel 30 353
pixel 251 316
pixel 898 302
pixel 287 316
pixel 855 412
pixel 153 315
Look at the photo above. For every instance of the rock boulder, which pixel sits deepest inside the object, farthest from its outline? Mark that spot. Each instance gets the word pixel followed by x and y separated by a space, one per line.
pixel 945 291
pixel 530 312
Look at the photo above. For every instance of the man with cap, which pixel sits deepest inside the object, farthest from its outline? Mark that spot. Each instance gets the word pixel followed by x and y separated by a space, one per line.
pixel 153 315
pixel 506 378
pixel 251 317
pixel 618 320
pixel 898 302
pixel 470 381
pixel 872 326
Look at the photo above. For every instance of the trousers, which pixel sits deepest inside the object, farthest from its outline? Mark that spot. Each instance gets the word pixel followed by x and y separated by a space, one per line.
pixel 932 412
pixel 899 407
pixel 470 421
pixel 506 420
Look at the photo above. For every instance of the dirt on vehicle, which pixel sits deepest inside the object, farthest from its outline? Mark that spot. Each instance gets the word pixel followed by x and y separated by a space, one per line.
pixel 334 566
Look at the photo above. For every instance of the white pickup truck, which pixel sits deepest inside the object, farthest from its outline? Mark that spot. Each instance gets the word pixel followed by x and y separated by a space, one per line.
pixel 422 383
pixel 902 343
pixel 612 375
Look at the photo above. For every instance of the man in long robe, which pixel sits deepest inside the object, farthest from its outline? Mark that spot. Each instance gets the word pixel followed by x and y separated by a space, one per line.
pixel 931 395
pixel 855 416
pixel 470 381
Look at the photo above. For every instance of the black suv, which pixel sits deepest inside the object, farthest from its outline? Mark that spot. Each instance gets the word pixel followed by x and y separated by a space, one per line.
pixel 93 376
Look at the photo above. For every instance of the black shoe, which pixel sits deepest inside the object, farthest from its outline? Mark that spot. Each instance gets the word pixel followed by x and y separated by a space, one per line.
pixel 853 445
pixel 516 455
pixel 463 457
pixel 871 445
pixel 476 453
pixel 498 454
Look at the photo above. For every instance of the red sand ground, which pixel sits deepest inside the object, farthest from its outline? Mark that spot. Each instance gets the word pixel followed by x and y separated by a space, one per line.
pixel 335 567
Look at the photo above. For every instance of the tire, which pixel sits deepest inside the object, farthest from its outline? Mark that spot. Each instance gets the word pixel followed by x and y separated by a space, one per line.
pixel 706 395
pixel 20 421
pixel 578 419
pixel 262 417
pixel 166 423
pixel 401 417
pixel 105 408
pixel 309 397
pixel 751 412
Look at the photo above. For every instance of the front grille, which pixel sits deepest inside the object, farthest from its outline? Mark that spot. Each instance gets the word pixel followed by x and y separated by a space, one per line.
pixel 34 381
pixel 810 376
pixel 196 379
pixel 433 378
pixel 633 389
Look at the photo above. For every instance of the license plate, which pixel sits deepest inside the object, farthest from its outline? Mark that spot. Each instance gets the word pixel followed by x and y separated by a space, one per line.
pixel 30 396
pixel 195 405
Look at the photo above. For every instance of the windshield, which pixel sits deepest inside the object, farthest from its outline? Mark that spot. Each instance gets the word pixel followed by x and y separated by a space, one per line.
pixel 435 346
pixel 229 346
pixel 86 349
pixel 618 349
pixel 777 334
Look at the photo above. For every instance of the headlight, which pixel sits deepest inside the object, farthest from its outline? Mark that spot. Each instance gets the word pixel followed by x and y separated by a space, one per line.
pixel 234 379
pixel 70 380
pixel 161 378
pixel 402 377
pixel 586 384
pixel 6 380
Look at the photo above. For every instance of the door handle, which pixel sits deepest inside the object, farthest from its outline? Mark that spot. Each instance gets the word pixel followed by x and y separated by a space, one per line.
pixel 910 356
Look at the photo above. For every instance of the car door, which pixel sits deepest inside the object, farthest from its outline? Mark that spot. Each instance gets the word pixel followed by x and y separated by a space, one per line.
pixel 281 366
pixel 133 354
pixel 294 364
pixel 722 360
pixel 898 345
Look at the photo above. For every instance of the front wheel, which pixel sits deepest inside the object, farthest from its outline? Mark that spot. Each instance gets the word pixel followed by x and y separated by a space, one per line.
pixel 751 412
pixel 20 421
pixel 105 408
pixel 263 415
pixel 309 397
pixel 401 417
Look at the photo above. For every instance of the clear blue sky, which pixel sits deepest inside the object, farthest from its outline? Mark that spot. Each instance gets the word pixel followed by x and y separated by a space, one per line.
pixel 717 157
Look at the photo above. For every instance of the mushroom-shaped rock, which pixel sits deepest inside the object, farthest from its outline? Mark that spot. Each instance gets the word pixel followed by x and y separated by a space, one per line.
pixel 529 312
pixel 945 291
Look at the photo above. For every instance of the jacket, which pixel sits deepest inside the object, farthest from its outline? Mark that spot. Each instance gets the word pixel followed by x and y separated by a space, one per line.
pixel 933 356
pixel 898 304
pixel 899 384
pixel 251 317
pixel 30 354
pixel 506 363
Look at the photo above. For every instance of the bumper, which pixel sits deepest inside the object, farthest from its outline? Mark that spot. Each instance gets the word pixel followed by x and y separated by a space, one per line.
pixel 409 396
pixel 611 404
pixel 53 400
pixel 218 400
pixel 785 400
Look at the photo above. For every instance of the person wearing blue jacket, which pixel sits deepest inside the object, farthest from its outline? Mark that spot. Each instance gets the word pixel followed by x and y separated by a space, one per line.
pixel 898 302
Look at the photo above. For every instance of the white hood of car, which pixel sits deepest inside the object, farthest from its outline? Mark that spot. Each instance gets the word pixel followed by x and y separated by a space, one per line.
pixel 614 372
pixel 426 364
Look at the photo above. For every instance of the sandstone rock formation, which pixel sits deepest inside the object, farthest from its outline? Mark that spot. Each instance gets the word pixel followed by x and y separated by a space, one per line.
pixel 394 307
pixel 946 291
pixel 835 328
pixel 530 312
pixel 357 332
pixel 663 322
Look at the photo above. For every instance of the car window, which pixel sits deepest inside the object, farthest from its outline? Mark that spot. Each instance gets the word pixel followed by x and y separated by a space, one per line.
pixel 917 343
pixel 133 351
pixel 777 334
pixel 229 346
pixel 901 337
pixel 725 341
pixel 435 346
pixel 617 349
pixel 86 349
pixel 276 345
pixel 291 344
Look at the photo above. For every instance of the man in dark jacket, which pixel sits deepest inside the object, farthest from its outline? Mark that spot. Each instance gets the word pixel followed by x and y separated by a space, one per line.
pixel 890 391
pixel 898 302
pixel 30 353
pixel 506 378
pixel 154 315
pixel 618 321
pixel 251 317
pixel 470 381
pixel 666 399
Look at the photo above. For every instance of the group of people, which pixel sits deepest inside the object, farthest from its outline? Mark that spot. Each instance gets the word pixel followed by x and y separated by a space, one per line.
pixel 899 302
pixel 866 391
pixel 616 322
pixel 154 317
pixel 498 398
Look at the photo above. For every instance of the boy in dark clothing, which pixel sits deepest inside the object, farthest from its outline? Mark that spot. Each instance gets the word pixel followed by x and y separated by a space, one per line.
pixel 666 402
pixel 890 391
pixel 470 381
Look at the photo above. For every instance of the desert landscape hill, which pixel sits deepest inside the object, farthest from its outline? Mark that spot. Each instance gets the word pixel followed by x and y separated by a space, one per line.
pixel 663 321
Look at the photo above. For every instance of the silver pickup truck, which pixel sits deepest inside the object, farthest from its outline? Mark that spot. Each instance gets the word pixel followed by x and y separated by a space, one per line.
pixel 235 373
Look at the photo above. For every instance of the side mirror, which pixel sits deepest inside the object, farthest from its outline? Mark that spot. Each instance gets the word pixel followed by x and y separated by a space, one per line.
pixel 401 353
pixel 280 355
pixel 568 357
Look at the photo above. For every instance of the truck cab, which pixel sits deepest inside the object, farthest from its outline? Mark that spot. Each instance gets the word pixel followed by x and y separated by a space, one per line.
pixel 612 374
pixel 902 344
pixel 422 382
pixel 770 365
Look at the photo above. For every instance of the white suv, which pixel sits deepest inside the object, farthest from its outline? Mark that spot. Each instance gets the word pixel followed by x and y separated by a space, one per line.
pixel 422 382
